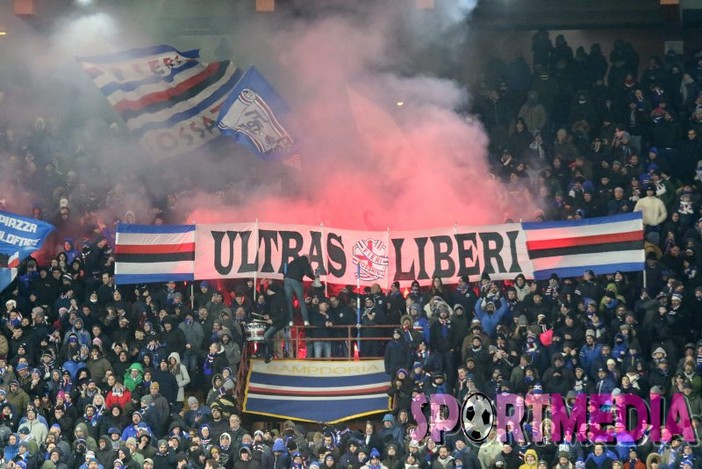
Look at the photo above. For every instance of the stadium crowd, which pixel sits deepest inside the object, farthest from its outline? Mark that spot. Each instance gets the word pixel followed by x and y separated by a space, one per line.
pixel 95 376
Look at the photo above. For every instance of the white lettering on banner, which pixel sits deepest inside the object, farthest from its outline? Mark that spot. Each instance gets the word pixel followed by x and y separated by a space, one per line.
pixel 163 66
pixel 187 135
pixel 138 69
pixel 17 240
pixel 239 250
pixel 21 225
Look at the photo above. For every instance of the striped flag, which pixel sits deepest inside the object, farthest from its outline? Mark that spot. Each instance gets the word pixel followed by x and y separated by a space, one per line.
pixel 154 253
pixel 9 273
pixel 167 98
pixel 604 245
pixel 13 261
pixel 317 391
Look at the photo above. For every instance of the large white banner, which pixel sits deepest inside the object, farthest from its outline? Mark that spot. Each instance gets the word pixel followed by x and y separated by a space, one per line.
pixel 342 256
pixel 226 250
pixel 498 250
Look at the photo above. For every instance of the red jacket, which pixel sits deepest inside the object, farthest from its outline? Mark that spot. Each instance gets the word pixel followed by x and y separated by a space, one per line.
pixel 121 401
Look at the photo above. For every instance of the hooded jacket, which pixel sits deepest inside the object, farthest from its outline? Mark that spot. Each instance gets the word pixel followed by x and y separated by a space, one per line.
pixel 105 456
pixel 129 462
pixel 71 253
pixel 526 465
pixel 11 450
pixel 181 374
pixel 277 306
pixel 130 382
pixel 89 440
pixel 250 464
pixel 37 429
pixel 232 350
pixel 277 457
pixel 490 321
pixel 120 401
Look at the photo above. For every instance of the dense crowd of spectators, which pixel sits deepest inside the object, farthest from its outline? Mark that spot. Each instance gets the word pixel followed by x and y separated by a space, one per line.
pixel 92 375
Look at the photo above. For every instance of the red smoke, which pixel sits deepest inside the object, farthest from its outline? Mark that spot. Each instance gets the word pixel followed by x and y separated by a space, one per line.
pixel 368 163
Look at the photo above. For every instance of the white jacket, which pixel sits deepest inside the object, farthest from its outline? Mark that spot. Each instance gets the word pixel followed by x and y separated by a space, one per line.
pixel 182 376
pixel 652 209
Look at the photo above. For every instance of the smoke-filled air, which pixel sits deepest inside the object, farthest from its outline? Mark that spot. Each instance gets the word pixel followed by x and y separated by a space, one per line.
pixel 381 140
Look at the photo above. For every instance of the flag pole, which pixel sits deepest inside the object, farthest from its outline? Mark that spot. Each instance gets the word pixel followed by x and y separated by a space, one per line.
pixel 388 279
pixel 325 262
pixel 192 284
pixel 358 308
pixel 255 292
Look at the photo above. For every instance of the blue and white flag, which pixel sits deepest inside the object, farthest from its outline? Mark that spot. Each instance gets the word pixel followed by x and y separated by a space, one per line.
pixel 9 272
pixel 19 237
pixel 22 234
pixel 569 248
pixel 167 98
pixel 252 115
pixel 153 253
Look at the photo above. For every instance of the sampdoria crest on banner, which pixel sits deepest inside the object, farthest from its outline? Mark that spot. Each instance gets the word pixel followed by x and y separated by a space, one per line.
pixel 251 115
pixel 371 255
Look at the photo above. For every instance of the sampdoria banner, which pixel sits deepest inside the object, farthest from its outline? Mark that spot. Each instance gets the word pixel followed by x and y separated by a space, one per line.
pixel 263 250
pixel 229 251
pixel 317 391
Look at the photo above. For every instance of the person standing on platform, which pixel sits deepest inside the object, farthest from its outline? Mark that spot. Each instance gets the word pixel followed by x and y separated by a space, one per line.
pixel 274 317
pixel 296 271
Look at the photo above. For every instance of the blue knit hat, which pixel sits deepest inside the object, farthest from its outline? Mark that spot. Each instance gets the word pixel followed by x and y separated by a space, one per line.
pixel 279 445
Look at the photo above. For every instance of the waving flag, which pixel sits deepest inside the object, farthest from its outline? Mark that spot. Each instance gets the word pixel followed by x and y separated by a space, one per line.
pixel 317 391
pixel 252 116
pixel 9 272
pixel 152 253
pixel 167 98
pixel 22 234
pixel 19 237
pixel 604 245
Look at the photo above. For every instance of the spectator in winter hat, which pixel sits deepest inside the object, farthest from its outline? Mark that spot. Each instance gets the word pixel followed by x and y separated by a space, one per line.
pixel 374 460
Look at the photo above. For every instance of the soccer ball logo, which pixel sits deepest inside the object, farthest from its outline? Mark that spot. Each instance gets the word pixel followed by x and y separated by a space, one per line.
pixel 478 416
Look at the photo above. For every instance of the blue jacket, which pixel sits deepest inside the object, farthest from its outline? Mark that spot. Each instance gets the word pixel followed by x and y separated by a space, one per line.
pixel 422 324
pixel 11 451
pixel 588 354
pixel 600 460
pixel 605 385
pixel 491 321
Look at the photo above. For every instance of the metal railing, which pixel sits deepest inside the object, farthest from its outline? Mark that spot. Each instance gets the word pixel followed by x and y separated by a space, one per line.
pixel 349 336
pixel 294 340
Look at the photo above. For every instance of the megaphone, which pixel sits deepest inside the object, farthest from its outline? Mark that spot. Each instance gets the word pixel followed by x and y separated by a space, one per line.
pixel 317 283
